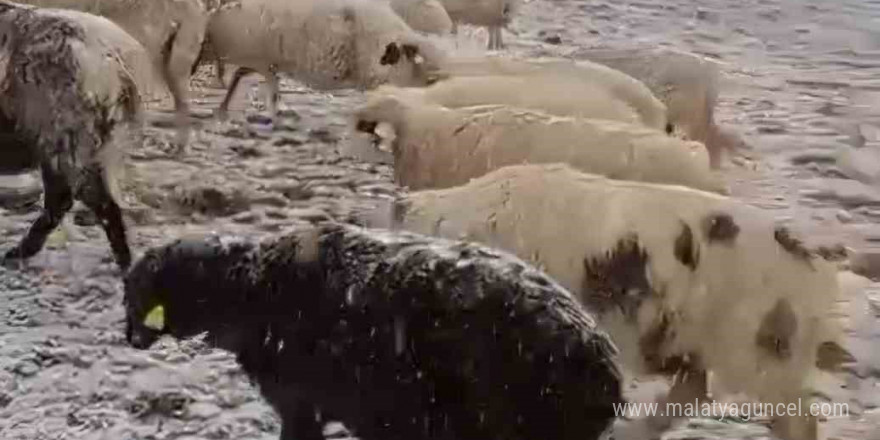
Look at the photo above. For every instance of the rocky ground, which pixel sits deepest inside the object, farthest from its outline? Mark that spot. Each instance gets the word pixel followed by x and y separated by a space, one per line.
pixel 802 84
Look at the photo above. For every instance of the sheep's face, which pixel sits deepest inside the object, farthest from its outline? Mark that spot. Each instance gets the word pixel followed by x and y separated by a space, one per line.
pixel 378 120
pixel 410 63
pixel 181 289
pixel 145 302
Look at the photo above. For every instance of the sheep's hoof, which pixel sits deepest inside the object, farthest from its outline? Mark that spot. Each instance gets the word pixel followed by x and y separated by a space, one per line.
pixel 221 114
pixel 12 260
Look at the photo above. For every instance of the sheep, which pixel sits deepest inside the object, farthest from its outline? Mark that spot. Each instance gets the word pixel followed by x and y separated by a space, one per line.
pixel 397 335
pixel 326 44
pixel 172 31
pixel 493 14
pixel 623 87
pixel 68 100
pixel 426 16
pixel 688 84
pixel 436 147
pixel 552 94
pixel 684 281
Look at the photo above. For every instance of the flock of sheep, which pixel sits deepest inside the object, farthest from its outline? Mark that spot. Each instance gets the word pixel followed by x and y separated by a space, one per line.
pixel 594 190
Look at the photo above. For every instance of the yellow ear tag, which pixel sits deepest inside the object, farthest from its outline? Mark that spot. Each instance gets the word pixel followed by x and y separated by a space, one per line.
pixel 155 320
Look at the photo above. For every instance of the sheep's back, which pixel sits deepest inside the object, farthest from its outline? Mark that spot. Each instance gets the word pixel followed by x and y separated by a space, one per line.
pixel 426 16
pixel 554 95
pixel 686 83
pixel 414 323
pixel 437 153
pixel 622 86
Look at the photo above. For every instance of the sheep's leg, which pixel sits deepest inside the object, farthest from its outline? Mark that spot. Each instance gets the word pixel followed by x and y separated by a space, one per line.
pixel 495 38
pixel 788 427
pixel 220 72
pixel 95 193
pixel 186 45
pixel 298 422
pixel 57 201
pixel 690 384
pixel 240 73
pixel 273 93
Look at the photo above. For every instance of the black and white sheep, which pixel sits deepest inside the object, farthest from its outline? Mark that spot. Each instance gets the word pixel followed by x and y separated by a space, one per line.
pixel 172 31
pixel 495 15
pixel 397 335
pixel 687 83
pixel 437 147
pixel 326 44
pixel 683 280
pixel 70 101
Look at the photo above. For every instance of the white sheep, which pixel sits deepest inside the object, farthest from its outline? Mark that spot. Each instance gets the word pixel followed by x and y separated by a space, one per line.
pixel 555 73
pixel 326 44
pixel 426 16
pixel 682 279
pixel 437 147
pixel 69 101
pixel 171 30
pixel 687 83
pixel 493 14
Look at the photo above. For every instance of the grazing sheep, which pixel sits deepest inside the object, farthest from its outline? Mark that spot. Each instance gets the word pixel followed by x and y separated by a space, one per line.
pixel 172 32
pixel 685 281
pixel 436 147
pixel 426 16
pixel 397 335
pixel 688 84
pixel 326 44
pixel 67 97
pixel 549 70
pixel 493 14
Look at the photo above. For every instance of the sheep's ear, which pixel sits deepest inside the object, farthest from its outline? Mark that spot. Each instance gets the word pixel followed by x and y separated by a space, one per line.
pixel 391 56
pixel 155 320
pixel 412 53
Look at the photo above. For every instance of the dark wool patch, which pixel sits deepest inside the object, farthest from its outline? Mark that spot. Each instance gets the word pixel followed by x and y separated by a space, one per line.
pixel 618 279
pixel 720 227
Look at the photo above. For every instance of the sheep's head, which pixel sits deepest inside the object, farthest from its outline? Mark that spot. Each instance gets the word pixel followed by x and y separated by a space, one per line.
pixel 181 289
pixel 411 62
pixel 380 119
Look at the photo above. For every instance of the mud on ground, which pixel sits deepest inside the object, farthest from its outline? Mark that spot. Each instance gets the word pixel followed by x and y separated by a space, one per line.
pixel 802 84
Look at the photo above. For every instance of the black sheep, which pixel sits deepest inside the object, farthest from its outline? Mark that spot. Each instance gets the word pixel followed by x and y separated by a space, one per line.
pixel 64 90
pixel 397 335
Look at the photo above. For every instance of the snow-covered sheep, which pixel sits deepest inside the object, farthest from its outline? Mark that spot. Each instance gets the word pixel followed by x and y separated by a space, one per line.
pixel 397 335
pixel 172 31
pixel 70 100
pixel 687 83
pixel 683 280
pixel 437 147
pixel 495 15
pixel 451 72
pixel 326 44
